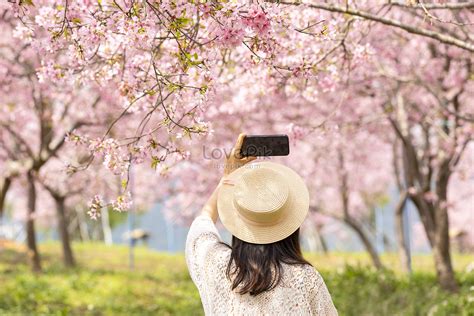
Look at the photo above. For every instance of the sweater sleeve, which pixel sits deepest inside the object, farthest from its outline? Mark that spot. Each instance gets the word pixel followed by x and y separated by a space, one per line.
pixel 202 236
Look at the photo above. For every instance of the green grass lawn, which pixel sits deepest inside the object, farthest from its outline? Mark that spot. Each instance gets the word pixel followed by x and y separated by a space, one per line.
pixel 160 285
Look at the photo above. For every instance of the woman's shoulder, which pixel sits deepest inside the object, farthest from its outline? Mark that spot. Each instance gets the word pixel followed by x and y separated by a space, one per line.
pixel 219 253
pixel 305 275
pixel 305 270
pixel 311 271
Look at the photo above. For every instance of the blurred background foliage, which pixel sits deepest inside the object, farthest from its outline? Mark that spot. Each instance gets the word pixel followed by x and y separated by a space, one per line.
pixel 102 284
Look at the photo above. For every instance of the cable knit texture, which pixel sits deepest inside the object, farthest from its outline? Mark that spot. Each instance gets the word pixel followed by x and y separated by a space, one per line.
pixel 302 290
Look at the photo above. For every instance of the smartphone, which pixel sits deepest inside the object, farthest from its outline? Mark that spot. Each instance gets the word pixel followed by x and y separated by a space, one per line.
pixel 265 145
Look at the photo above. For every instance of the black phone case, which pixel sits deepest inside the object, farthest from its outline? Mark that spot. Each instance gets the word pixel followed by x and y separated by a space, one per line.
pixel 265 145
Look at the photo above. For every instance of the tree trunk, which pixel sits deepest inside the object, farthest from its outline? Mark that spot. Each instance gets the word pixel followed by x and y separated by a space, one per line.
pixel 388 245
pixel 434 216
pixel 4 186
pixel 33 253
pixel 68 256
pixel 83 230
pixel 348 219
pixel 374 256
pixel 444 268
pixel 104 216
pixel 441 245
pixel 403 251
pixel 422 176
pixel 437 231
pixel 322 241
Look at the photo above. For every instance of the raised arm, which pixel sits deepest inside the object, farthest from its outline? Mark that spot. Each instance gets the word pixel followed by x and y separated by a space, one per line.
pixel 232 162
pixel 203 234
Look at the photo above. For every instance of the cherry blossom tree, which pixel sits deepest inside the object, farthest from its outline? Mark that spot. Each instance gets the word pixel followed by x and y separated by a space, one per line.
pixel 170 74
pixel 162 59
pixel 427 105
pixel 35 119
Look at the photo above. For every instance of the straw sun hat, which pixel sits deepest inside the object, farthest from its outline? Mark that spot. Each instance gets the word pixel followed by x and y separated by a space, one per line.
pixel 262 202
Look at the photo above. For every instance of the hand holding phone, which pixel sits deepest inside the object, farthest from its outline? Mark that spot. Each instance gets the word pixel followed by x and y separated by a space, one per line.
pixel 265 145
pixel 235 160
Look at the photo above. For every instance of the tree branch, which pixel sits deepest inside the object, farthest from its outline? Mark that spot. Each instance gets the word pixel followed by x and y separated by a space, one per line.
pixel 437 6
pixel 446 39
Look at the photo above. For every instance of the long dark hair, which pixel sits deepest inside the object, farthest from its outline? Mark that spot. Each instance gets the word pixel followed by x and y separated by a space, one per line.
pixel 258 268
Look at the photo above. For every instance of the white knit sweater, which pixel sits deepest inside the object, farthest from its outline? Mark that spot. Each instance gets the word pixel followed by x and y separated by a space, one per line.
pixel 302 290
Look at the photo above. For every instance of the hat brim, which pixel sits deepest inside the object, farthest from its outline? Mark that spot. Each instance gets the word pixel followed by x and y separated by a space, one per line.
pixel 294 211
